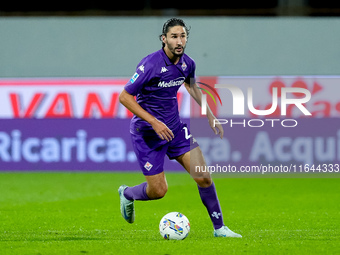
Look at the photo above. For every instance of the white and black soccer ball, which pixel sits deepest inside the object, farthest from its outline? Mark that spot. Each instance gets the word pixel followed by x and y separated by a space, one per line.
pixel 174 226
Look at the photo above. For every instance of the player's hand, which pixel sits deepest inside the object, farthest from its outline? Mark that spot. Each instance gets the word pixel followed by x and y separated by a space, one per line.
pixel 162 130
pixel 216 126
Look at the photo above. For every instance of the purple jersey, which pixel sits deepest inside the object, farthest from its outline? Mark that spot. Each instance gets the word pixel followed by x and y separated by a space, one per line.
pixel 155 85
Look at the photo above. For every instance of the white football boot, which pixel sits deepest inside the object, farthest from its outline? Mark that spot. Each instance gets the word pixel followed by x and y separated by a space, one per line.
pixel 225 232
pixel 127 207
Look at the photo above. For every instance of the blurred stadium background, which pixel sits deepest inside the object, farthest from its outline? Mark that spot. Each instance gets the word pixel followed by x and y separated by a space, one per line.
pixel 62 67
pixel 189 7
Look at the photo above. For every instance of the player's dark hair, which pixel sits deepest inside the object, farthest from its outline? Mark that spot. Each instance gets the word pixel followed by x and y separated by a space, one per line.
pixel 172 23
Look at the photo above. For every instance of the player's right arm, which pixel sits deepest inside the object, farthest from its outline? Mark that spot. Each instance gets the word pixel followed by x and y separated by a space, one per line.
pixel 160 128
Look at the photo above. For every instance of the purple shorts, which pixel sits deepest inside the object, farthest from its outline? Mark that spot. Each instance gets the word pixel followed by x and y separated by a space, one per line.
pixel 151 150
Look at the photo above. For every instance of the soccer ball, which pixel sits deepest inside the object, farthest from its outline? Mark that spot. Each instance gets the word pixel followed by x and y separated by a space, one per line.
pixel 174 226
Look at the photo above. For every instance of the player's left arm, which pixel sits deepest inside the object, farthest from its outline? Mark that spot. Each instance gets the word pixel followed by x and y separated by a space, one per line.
pixel 196 94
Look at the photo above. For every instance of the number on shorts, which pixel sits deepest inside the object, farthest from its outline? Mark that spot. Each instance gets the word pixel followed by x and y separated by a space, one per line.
pixel 187 136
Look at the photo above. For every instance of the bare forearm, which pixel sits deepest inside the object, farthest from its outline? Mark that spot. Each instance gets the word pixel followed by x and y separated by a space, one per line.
pixel 130 103
pixel 196 94
pixel 160 128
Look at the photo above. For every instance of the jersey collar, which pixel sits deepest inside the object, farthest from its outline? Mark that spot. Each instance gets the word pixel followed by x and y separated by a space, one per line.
pixel 168 61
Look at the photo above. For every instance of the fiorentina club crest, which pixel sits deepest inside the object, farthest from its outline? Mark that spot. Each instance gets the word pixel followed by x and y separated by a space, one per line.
pixel 148 166
pixel 184 66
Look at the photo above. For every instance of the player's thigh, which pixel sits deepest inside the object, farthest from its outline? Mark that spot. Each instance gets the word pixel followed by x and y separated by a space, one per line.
pixel 193 161
pixel 150 155
pixel 157 185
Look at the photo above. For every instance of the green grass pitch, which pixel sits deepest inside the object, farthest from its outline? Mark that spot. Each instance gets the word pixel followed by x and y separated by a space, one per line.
pixel 78 213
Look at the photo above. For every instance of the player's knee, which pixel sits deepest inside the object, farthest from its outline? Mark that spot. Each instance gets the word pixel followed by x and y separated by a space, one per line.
pixel 158 192
pixel 161 192
pixel 203 182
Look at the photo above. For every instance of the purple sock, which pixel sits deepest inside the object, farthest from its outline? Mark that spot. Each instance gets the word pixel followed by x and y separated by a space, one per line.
pixel 210 200
pixel 136 192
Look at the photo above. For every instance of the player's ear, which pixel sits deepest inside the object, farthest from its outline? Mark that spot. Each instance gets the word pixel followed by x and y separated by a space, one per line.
pixel 163 38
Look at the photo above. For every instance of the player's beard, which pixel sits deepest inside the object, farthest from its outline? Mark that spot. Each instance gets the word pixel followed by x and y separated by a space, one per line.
pixel 173 50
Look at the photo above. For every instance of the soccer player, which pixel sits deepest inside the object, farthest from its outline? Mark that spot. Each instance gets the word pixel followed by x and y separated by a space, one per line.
pixel 157 130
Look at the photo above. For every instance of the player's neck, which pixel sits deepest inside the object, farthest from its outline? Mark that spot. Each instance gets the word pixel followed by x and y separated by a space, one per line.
pixel 173 58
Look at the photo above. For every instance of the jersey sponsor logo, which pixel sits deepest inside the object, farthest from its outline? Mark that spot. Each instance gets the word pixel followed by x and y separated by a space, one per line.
pixel 176 82
pixel 134 77
pixel 163 70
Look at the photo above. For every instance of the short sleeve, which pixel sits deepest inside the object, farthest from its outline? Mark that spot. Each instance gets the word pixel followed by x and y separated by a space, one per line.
pixel 139 78
pixel 191 78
